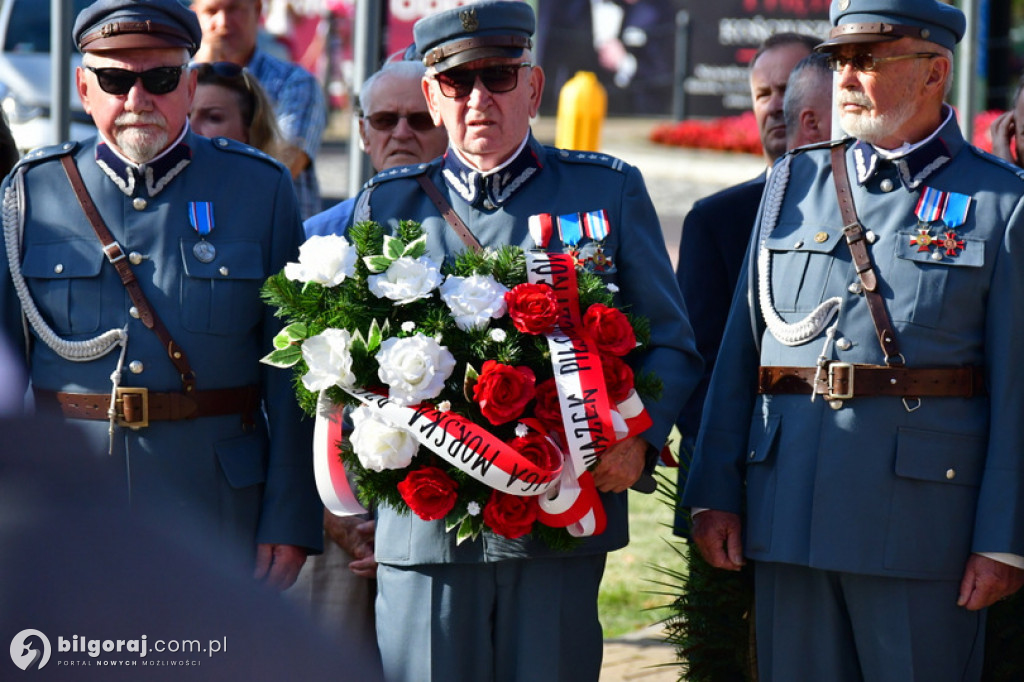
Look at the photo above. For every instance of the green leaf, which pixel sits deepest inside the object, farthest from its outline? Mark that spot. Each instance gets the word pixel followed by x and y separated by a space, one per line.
pixel 377 263
pixel 393 248
pixel 376 335
pixel 358 343
pixel 417 248
pixel 287 357
pixel 468 381
pixel 293 333
pixel 453 520
pixel 469 530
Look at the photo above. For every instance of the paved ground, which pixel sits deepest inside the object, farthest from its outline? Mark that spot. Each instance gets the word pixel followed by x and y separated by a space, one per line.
pixel 675 179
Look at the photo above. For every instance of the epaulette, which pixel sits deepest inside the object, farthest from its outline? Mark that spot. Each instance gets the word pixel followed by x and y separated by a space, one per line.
pixel 992 158
pixel 228 145
pixel 48 152
pixel 410 171
pixel 827 144
pixel 593 158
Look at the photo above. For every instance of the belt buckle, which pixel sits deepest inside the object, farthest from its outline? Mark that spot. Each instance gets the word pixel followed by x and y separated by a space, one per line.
pixel 119 403
pixel 848 393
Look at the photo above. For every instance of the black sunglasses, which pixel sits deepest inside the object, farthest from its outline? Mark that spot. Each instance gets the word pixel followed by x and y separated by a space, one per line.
pixel 866 63
pixel 158 81
pixel 500 78
pixel 387 120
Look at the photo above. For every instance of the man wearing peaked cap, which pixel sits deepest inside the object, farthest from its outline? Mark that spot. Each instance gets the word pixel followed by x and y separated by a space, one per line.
pixel 496 608
pixel 144 319
pixel 877 484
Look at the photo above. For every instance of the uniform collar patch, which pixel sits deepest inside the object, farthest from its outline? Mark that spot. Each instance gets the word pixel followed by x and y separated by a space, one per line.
pixel 914 168
pixel 154 175
pixel 494 189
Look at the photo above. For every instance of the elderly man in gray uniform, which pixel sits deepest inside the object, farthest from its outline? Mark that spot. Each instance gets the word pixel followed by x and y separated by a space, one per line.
pixel 499 609
pixel 881 471
pixel 135 261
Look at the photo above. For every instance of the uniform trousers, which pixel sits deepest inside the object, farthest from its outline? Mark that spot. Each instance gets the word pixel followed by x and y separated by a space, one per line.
pixel 528 620
pixel 825 626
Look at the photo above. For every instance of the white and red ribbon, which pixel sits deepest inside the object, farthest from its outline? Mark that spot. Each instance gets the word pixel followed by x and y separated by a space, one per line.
pixel 331 479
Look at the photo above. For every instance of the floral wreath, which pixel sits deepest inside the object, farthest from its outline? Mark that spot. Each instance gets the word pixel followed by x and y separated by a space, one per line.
pixel 480 392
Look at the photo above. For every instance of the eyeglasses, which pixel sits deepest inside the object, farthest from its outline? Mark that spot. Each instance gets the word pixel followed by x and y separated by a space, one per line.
pixel 500 78
pixel 387 120
pixel 866 63
pixel 158 81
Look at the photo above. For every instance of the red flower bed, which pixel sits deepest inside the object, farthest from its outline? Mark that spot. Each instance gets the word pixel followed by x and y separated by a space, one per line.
pixel 739 133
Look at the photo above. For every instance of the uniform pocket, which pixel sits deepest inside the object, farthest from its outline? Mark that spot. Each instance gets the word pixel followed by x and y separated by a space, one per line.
pixel 222 296
pixel 243 460
pixel 934 497
pixel 940 282
pixel 64 277
pixel 801 263
pixel 761 483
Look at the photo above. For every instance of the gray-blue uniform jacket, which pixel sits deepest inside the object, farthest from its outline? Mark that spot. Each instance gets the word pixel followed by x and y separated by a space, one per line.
pixel 246 484
pixel 873 487
pixel 496 209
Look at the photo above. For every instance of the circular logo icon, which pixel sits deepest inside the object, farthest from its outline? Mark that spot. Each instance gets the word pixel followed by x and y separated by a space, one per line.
pixel 30 649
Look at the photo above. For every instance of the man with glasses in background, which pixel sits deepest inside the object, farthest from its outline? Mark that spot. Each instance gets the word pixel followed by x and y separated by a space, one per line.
pixel 495 608
pixel 395 129
pixel 138 259
pixel 230 31
pixel 880 469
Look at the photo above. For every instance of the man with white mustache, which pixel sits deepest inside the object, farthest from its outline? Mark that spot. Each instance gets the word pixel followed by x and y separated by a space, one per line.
pixel 163 238
pixel 878 483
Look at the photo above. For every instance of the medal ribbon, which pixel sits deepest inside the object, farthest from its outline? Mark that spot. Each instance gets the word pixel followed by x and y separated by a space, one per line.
pixel 541 229
pixel 955 212
pixel 200 214
pixel 596 224
pixel 931 205
pixel 570 230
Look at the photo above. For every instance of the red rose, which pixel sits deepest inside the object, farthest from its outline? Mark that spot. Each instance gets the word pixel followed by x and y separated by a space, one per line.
pixel 429 492
pixel 618 377
pixel 610 329
pixel 510 515
pixel 502 391
pixel 538 449
pixel 533 308
pixel 547 409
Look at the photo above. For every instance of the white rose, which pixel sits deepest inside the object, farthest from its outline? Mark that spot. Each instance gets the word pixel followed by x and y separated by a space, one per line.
pixel 406 280
pixel 498 335
pixel 324 259
pixel 329 357
pixel 414 368
pixel 474 300
pixel 378 444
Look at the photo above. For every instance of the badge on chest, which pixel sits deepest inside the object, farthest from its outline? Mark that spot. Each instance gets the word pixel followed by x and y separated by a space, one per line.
pixel 583 237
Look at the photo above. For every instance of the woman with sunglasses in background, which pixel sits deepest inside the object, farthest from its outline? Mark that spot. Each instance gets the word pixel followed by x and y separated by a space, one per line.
pixel 231 103
pixel 395 129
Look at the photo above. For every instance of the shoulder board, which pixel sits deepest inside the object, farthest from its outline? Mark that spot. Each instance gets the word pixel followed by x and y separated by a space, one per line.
pixel 46 153
pixel 593 158
pixel 396 173
pixel 992 158
pixel 228 145
pixel 827 144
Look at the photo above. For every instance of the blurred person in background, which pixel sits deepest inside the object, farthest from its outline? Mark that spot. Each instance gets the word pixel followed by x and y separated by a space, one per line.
pixel 230 31
pixel 8 148
pixel 807 105
pixel 230 103
pixel 1007 131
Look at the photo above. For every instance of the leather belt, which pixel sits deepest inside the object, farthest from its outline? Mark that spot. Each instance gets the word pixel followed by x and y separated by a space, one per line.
pixel 136 407
pixel 842 381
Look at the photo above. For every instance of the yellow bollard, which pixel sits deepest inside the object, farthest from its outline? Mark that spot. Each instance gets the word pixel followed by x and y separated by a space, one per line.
pixel 581 109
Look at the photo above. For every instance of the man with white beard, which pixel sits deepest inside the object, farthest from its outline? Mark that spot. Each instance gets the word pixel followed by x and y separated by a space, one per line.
pixel 164 238
pixel 879 472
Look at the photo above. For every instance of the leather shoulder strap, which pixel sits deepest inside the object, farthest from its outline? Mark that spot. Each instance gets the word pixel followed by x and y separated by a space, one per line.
pixel 450 216
pixel 855 239
pixel 115 254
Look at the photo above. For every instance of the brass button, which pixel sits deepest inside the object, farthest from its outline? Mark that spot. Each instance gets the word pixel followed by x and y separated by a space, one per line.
pixel 855 288
pixel 870 236
pixel 135 258
pixel 58 268
pixel 134 312
pixel 836 404
pixel 135 367
pixel 886 185
pixel 950 474
pixel 139 204
pixel 936 255
pixel 821 237
pixel 799 245
pixel 844 344
pixel 224 270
